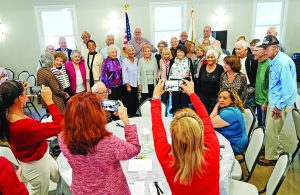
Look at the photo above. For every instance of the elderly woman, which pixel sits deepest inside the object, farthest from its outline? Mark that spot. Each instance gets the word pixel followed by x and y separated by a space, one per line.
pixel 164 66
pixel 94 153
pixel 190 50
pixel 161 45
pixel 181 67
pixel 3 75
pixel 130 73
pixel 111 74
pixel 209 80
pixel 232 78
pixel 27 136
pixel 59 71
pixel 93 62
pixel 227 118
pixel 76 72
pixel 147 73
pixel 46 77
pixel 191 162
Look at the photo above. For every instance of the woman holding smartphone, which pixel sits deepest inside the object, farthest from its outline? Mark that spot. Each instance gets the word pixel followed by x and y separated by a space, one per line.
pixel 27 136
pixel 94 153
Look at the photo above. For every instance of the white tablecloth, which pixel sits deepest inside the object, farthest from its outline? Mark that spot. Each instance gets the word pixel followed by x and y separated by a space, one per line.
pixel 157 174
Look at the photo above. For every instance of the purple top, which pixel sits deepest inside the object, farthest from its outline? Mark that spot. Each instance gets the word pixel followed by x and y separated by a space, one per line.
pixel 101 172
pixel 111 73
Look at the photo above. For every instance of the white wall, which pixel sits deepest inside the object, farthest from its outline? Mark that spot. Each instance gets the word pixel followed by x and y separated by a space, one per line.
pixel 20 48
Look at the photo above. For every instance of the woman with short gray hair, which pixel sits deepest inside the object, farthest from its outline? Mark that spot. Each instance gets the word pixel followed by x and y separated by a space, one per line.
pixel 47 78
pixel 161 45
pixel 111 74
pixel 130 72
pixel 76 71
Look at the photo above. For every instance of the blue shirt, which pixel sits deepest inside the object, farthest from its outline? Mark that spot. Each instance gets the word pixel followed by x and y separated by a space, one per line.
pixel 282 82
pixel 236 131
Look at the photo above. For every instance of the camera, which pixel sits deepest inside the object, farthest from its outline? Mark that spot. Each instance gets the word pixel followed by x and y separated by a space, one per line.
pixel 110 105
pixel 173 85
pixel 35 90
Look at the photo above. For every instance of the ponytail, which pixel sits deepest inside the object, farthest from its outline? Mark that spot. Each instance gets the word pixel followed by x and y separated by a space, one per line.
pixel 9 91
pixel 4 130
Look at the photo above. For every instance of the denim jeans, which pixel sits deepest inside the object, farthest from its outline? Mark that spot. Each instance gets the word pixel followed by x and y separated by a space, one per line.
pixel 261 116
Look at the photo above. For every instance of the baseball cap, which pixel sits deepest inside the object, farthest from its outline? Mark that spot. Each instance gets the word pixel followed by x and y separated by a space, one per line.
pixel 269 40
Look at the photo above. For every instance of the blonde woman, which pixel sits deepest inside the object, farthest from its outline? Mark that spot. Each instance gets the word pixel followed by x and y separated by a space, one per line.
pixel 164 66
pixel 191 163
pixel 147 73
pixel 191 50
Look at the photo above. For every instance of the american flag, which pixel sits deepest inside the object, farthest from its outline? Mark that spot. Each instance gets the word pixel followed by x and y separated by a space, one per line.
pixel 127 36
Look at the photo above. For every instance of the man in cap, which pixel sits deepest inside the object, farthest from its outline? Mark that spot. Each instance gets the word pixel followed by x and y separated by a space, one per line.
pixel 282 96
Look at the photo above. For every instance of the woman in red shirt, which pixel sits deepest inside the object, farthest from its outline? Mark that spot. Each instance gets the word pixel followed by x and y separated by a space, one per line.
pixel 27 136
pixel 10 181
pixel 191 162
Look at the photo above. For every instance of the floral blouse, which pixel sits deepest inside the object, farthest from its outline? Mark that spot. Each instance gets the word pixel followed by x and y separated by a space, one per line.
pixel 111 74
pixel 180 70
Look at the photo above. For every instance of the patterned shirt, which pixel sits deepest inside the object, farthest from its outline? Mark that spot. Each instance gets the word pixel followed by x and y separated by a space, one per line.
pixel 61 75
pixel 180 70
pixel 111 74
pixel 239 84
pixel 138 46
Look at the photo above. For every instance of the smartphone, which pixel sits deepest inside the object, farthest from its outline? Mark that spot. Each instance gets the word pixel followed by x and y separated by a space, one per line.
pixel 173 85
pixel 35 90
pixel 110 105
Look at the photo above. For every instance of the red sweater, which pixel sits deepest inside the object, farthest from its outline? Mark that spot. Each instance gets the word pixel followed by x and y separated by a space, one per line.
pixel 208 182
pixel 9 183
pixel 28 136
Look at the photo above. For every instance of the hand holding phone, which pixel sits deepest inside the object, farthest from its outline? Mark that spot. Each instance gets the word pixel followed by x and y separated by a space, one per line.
pixel 110 105
pixel 173 85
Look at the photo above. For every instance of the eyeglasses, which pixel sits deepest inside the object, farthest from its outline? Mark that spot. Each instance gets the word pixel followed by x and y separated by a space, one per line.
pixel 102 93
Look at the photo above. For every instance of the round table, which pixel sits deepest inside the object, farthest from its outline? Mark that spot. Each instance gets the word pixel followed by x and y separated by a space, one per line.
pixel 226 162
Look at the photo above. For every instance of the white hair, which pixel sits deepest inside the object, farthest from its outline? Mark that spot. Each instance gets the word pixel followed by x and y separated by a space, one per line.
pixel 110 36
pixel 97 86
pixel 129 47
pixel 243 43
pixel 110 48
pixel 274 29
pixel 61 38
pixel 212 51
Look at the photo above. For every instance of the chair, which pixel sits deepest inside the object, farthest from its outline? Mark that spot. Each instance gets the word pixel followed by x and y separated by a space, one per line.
pixel 251 155
pixel 296 118
pixel 10 74
pixel 31 80
pixel 145 108
pixel 6 152
pixel 23 75
pixel 249 119
pixel 278 175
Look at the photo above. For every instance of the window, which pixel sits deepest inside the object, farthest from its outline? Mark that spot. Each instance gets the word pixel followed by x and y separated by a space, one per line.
pixel 167 20
pixel 269 13
pixel 54 22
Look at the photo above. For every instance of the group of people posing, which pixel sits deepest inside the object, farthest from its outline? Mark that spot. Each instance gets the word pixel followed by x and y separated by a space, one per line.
pixel 216 86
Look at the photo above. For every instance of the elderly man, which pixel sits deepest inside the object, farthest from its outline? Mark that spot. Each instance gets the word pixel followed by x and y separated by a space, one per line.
pixel 63 47
pixel 249 68
pixel 85 36
pixel 174 43
pixel 183 38
pixel 261 83
pixel 274 32
pixel 206 35
pixel 138 41
pixel 282 96
pixel 102 94
pixel 50 49
pixel 110 40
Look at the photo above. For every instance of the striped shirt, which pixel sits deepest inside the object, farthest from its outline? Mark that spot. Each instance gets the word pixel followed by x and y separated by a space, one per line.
pixel 61 76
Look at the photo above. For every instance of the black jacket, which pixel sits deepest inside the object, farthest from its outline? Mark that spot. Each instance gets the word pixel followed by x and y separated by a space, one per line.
pixel 251 69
